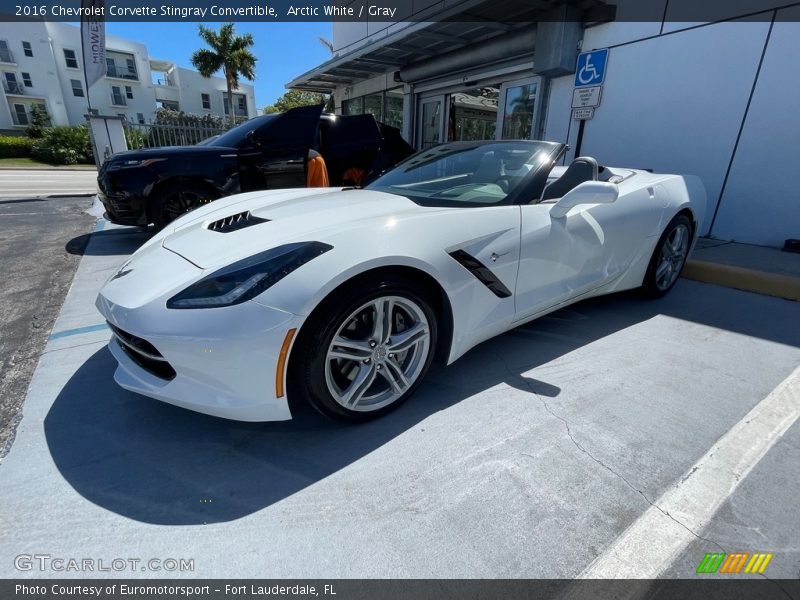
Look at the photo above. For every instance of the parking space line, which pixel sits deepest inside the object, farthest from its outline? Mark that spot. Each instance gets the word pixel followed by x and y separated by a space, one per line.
pixel 651 544
pixel 77 331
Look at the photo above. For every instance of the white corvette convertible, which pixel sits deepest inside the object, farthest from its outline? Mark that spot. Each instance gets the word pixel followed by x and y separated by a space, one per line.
pixel 345 296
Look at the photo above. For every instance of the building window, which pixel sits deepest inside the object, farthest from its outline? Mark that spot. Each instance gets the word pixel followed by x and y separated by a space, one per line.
pixel 5 53
pixel 386 107
pixel 77 88
pixel 373 105
pixel 243 104
pixel 117 99
pixel 122 116
pixel 129 92
pixel 26 49
pixel 20 114
pixel 393 108
pixel 70 59
pixel 10 84
pixel 131 64
pixel 26 80
pixel 140 118
pixel 206 100
pixel 354 106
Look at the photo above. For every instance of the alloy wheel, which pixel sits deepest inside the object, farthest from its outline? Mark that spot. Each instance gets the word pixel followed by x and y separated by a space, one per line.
pixel 378 353
pixel 673 254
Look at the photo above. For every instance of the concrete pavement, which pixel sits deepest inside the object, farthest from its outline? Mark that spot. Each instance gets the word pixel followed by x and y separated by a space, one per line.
pixel 40 244
pixel 529 457
pixel 24 183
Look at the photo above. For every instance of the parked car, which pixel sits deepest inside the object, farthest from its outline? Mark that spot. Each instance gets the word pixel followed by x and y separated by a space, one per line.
pixel 158 185
pixel 344 297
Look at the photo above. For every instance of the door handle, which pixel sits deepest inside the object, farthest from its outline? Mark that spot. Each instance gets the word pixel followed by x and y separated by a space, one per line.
pixel 496 255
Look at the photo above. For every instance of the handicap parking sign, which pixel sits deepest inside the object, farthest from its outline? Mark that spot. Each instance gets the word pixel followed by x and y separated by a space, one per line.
pixel 591 68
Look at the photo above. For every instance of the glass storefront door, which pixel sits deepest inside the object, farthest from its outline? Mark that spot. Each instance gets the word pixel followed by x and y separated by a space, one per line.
pixel 490 111
pixel 473 114
pixel 518 117
pixel 431 122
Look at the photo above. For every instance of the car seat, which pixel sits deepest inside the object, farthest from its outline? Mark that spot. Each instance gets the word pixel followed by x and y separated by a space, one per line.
pixel 583 168
pixel 490 170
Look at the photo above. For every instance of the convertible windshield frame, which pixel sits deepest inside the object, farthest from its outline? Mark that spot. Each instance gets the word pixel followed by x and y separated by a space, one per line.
pixel 527 188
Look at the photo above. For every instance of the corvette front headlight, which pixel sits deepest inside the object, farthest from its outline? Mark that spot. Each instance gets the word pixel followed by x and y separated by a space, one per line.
pixel 246 279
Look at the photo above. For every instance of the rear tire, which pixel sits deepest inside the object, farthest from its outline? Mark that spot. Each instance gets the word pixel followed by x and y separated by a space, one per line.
pixel 178 199
pixel 366 352
pixel 668 258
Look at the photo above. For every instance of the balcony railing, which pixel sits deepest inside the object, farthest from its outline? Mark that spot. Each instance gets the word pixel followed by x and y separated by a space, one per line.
pixel 164 81
pixel 6 56
pixel 121 72
pixel 13 87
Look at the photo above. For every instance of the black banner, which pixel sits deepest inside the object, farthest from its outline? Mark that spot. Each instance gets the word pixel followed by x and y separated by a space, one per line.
pixel 393 11
pixel 705 588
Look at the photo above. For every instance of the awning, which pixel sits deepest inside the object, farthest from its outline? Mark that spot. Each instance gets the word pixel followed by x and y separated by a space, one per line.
pixel 405 43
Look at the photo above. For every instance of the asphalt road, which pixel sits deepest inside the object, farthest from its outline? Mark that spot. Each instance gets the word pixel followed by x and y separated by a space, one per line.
pixel 40 245
pixel 26 183
pixel 656 431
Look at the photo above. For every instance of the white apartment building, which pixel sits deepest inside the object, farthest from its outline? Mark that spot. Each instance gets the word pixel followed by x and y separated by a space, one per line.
pixel 41 63
pixel 715 99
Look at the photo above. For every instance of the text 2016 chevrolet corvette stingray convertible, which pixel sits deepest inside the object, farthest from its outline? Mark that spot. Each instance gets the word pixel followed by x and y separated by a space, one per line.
pixel 345 296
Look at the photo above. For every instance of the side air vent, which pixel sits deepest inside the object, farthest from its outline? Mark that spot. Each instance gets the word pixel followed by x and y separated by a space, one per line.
pixel 235 222
pixel 481 272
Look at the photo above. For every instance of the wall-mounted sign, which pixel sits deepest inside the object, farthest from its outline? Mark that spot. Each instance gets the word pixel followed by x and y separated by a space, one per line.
pixel 591 68
pixel 586 97
pixel 582 114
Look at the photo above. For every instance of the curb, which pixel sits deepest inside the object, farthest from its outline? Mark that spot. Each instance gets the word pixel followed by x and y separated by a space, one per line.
pixel 741 278
pixel 47 168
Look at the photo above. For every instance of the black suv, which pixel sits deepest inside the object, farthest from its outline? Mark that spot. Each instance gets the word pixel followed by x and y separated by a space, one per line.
pixel 157 185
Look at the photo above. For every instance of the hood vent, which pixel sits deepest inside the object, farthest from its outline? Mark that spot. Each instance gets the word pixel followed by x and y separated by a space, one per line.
pixel 235 222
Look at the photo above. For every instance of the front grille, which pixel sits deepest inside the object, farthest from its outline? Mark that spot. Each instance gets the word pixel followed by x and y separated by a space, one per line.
pixel 117 205
pixel 144 354
pixel 235 222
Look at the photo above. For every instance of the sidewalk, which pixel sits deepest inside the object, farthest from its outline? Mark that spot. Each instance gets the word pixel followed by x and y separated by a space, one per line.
pixel 758 269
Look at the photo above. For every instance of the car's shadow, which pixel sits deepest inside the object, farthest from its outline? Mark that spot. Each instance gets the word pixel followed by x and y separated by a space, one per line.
pixel 110 242
pixel 156 463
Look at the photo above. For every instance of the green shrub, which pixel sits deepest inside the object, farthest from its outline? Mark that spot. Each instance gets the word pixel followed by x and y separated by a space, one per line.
pixel 64 145
pixel 12 146
pixel 135 138
pixel 39 121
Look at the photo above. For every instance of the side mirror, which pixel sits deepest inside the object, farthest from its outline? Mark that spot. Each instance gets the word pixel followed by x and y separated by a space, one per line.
pixel 588 192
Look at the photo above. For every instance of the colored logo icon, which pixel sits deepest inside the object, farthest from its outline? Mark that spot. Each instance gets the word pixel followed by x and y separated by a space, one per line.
pixel 739 562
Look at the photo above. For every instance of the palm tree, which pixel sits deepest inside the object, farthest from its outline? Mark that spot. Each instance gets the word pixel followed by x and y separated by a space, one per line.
pixel 229 52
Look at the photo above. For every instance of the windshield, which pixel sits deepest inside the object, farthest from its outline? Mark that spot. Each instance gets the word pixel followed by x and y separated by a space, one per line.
pixel 467 173
pixel 234 138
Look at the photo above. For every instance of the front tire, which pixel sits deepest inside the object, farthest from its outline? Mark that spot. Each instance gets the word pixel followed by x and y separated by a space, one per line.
pixel 178 199
pixel 367 353
pixel 669 257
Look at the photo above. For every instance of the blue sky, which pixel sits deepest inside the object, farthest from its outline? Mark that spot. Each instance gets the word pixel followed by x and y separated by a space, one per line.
pixel 284 50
